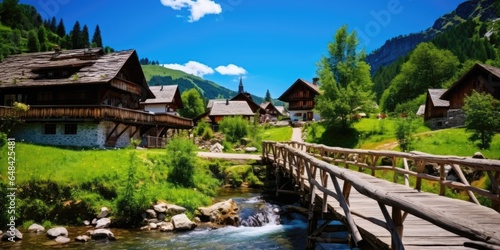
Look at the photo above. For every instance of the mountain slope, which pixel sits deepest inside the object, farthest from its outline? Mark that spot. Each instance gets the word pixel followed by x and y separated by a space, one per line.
pixel 402 45
pixel 159 75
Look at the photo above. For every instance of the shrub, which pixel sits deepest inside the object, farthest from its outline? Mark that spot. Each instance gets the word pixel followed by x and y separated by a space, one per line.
pixel 181 158
pixel 200 128
pixel 207 133
pixel 234 128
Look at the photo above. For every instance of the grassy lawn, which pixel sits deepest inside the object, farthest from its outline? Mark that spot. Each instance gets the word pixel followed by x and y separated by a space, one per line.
pixel 277 134
pixel 52 176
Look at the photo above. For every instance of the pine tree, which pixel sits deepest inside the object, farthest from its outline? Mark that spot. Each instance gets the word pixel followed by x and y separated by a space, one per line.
pixel 76 36
pixel 268 96
pixel 33 43
pixel 42 38
pixel 96 38
pixel 85 37
pixel 61 30
pixel 53 25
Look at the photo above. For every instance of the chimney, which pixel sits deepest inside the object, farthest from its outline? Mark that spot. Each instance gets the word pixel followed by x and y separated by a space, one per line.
pixel 227 101
pixel 315 81
pixel 57 49
pixel 161 88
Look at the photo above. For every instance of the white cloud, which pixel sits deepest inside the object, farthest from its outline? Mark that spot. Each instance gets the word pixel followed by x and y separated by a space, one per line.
pixel 231 69
pixel 191 67
pixel 198 8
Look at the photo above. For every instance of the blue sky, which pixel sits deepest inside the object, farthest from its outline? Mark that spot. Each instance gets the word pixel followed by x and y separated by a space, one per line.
pixel 269 43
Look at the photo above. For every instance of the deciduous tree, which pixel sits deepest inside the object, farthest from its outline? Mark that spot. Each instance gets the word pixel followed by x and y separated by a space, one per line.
pixel 482 111
pixel 345 81
pixel 193 104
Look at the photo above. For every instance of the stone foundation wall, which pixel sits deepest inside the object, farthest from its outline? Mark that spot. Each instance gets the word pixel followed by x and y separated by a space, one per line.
pixel 454 118
pixel 92 135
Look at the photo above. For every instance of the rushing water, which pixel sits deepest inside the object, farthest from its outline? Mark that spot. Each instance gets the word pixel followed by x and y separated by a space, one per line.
pixel 290 234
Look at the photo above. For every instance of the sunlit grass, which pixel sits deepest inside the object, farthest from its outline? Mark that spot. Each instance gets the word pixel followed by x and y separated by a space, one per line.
pixel 277 134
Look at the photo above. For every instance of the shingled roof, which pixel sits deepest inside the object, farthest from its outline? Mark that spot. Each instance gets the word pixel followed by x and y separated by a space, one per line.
pixel 228 108
pixel 164 94
pixel 314 88
pixel 92 67
pixel 435 95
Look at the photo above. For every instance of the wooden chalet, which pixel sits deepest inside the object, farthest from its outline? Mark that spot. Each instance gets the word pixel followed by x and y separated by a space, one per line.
pixel 168 100
pixel 247 97
pixel 300 97
pixel 81 98
pixel 221 109
pixel 443 107
pixel 271 112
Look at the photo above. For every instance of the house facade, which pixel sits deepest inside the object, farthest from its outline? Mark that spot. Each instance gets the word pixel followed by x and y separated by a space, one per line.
pixel 220 109
pixel 167 100
pixel 443 108
pixel 81 98
pixel 300 98
pixel 271 112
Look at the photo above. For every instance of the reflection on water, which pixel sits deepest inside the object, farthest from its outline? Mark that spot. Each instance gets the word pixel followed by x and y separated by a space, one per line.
pixel 291 234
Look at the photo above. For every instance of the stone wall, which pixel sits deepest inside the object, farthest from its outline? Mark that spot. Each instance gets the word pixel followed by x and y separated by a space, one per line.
pixel 89 134
pixel 454 118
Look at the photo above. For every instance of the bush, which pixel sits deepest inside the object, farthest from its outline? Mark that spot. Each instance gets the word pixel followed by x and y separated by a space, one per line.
pixel 234 128
pixel 199 130
pixel 207 133
pixel 181 158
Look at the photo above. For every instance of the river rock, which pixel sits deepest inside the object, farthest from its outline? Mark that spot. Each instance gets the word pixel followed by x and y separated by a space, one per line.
pixel 94 221
pixel 86 223
pixel 103 223
pixel 161 216
pixel 160 208
pixel 83 238
pixel 222 213
pixel 174 209
pixel 153 226
pixel 104 213
pixel 62 240
pixel 7 236
pixel 150 214
pixel 35 228
pixel 182 223
pixel 166 227
pixel 101 234
pixel 250 149
pixel 57 231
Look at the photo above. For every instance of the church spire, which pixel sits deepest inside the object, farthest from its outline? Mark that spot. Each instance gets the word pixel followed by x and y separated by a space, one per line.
pixel 240 87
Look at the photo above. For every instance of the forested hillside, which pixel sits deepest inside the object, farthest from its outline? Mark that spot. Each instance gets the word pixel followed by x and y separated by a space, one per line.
pixel 159 75
pixel 437 64
pixel 395 48
pixel 22 30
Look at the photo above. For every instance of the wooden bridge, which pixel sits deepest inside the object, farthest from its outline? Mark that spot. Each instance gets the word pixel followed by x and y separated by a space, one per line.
pixel 381 214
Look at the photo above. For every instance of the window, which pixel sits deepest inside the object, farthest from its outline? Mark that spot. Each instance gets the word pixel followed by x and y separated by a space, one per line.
pixel 70 129
pixel 44 96
pixel 50 129
pixel 8 100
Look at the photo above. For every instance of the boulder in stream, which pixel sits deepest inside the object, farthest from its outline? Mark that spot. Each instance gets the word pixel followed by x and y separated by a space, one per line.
pixel 222 213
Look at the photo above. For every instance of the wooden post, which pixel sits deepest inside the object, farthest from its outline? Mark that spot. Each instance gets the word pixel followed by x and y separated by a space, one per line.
pixel 398 221
pixel 442 178
pixel 397 243
pixel 346 191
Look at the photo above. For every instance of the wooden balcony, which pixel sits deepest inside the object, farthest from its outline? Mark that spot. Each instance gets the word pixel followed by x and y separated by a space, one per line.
pixel 99 112
pixel 300 107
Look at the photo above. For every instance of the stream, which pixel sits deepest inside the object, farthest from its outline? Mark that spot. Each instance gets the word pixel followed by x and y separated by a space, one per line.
pixel 287 232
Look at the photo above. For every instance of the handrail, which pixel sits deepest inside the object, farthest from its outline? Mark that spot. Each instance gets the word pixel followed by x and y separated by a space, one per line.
pixel 98 112
pixel 369 159
pixel 282 152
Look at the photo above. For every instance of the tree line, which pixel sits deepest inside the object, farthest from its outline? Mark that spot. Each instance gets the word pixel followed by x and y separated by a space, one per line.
pixel 25 31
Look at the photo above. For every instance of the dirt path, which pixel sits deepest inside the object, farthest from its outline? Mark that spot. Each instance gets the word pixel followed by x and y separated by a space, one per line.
pixel 229 156
pixel 393 144
pixel 297 135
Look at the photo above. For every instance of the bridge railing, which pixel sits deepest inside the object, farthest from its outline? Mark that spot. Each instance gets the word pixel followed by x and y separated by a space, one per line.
pixel 414 164
pixel 299 159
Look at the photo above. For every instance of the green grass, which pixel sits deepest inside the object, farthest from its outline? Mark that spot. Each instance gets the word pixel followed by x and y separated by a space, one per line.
pixel 277 134
pixel 156 70
pixel 454 142
pixel 53 176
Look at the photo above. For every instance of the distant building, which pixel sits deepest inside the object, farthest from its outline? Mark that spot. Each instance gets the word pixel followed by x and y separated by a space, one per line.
pixel 221 109
pixel 300 97
pixel 81 98
pixel 271 112
pixel 247 97
pixel 443 107
pixel 168 100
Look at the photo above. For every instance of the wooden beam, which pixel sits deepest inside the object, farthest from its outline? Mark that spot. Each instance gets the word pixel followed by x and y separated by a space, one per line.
pixel 396 240
pixel 462 178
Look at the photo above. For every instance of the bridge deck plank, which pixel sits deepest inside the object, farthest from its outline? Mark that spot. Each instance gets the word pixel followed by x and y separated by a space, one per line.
pixel 417 233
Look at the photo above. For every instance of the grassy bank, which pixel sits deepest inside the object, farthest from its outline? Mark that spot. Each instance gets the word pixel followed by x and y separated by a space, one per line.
pixel 69 186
